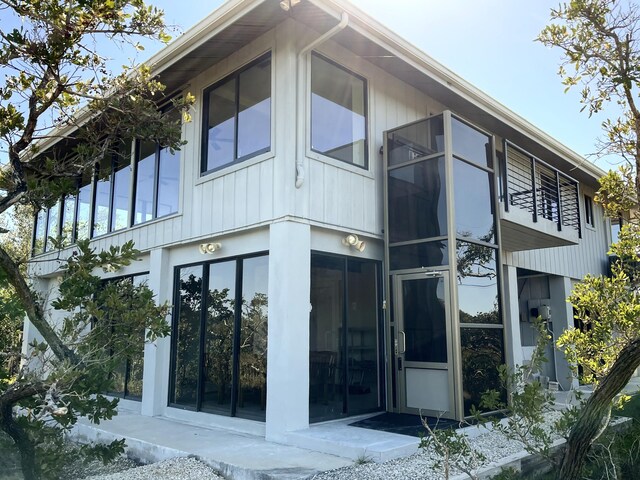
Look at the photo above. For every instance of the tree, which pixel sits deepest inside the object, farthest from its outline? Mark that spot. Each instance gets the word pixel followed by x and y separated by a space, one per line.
pixel 599 40
pixel 61 112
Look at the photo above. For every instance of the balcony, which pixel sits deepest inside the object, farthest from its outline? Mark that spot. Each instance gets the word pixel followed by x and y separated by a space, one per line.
pixel 539 204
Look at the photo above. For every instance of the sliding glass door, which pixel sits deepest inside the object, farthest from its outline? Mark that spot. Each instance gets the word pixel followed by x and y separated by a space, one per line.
pixel 219 338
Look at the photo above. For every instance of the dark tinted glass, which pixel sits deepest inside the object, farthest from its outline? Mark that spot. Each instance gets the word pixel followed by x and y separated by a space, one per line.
pixel 252 382
pixel 473 202
pixel 338 112
pixel 136 362
pixel 187 336
pixel 425 320
pixel 220 132
pixel 416 140
pixel 145 173
pixel 417 201
pixel 416 255
pixel 482 354
pixel 41 232
pixel 477 284
pixel 218 354
pixel 471 144
pixel 326 398
pixel 101 204
pixel 121 188
pixel 53 223
pixel 68 213
pixel 362 336
pixel 84 209
pixel 254 112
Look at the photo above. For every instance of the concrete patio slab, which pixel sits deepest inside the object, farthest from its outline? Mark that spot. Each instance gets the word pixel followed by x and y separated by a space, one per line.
pixel 236 455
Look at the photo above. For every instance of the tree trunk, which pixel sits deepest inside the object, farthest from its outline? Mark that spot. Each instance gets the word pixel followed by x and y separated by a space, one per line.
pixel 594 416
pixel 8 399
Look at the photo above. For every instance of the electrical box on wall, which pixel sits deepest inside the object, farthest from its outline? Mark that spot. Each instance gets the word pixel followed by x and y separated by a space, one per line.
pixel 539 308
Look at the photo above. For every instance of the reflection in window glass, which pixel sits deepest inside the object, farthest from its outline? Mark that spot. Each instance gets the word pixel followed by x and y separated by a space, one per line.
pixel 338 112
pixel 418 255
pixel 482 354
pixel 326 361
pixel 254 111
pixel 473 202
pixel 53 223
pixel 416 140
pixel 121 185
pixel 417 201
pixel 68 213
pixel 343 369
pixel 477 284
pixel 219 333
pixel 425 320
pixel 221 128
pixel 101 203
pixel 40 232
pixel 238 116
pixel 145 174
pixel 252 381
pixel 168 177
pixel 362 336
pixel 83 226
pixel 471 144
pixel 186 337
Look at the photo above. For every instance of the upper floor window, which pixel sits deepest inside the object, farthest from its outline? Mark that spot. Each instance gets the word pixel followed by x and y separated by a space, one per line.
pixel 236 122
pixel 157 182
pixel 103 200
pixel 616 225
pixel 588 211
pixel 338 112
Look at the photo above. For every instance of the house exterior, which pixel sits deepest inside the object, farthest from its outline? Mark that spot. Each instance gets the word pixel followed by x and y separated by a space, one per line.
pixel 351 228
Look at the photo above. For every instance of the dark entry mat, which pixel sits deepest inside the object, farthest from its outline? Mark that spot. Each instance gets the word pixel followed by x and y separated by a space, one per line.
pixel 403 423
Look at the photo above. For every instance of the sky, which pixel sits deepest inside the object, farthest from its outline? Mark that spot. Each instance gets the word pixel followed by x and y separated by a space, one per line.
pixel 489 43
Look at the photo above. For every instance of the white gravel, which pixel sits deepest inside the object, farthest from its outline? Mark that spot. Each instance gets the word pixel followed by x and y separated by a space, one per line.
pixel 183 468
pixel 424 464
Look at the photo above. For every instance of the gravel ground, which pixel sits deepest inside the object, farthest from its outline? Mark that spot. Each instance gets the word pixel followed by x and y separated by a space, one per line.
pixel 424 464
pixel 174 469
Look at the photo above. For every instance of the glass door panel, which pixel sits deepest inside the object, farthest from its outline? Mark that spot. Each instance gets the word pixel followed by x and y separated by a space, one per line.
pixel 424 352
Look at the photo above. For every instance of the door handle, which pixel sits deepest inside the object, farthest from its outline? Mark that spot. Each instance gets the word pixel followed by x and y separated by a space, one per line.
pixel 403 343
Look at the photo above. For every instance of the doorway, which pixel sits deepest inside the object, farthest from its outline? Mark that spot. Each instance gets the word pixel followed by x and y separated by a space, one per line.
pixel 423 345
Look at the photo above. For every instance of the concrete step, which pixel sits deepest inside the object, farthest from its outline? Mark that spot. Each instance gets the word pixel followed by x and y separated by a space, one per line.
pixel 237 456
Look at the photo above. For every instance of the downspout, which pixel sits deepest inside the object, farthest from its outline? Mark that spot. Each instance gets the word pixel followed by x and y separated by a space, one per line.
pixel 301 123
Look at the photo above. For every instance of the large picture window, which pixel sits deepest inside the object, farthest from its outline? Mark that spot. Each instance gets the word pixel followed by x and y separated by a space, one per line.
pixel 237 116
pixel 219 349
pixel 338 112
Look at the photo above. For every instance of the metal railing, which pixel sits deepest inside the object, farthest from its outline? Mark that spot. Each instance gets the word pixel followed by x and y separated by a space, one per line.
pixel 538 188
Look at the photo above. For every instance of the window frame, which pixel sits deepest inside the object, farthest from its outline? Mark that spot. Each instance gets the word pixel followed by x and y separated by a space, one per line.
pixel 365 92
pixel 589 212
pixel 135 155
pixel 234 409
pixel 204 134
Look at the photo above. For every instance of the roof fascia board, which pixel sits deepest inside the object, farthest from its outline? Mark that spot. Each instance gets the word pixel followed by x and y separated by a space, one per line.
pixel 378 33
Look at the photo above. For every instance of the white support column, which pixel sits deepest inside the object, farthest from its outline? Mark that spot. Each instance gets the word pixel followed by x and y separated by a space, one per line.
pixel 562 318
pixel 155 383
pixel 513 347
pixel 288 353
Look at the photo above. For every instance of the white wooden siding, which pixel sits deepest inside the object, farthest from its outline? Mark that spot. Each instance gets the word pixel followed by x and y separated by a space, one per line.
pixel 589 256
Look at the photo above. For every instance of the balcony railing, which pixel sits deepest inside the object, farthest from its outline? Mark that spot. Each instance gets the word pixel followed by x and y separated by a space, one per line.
pixel 538 188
